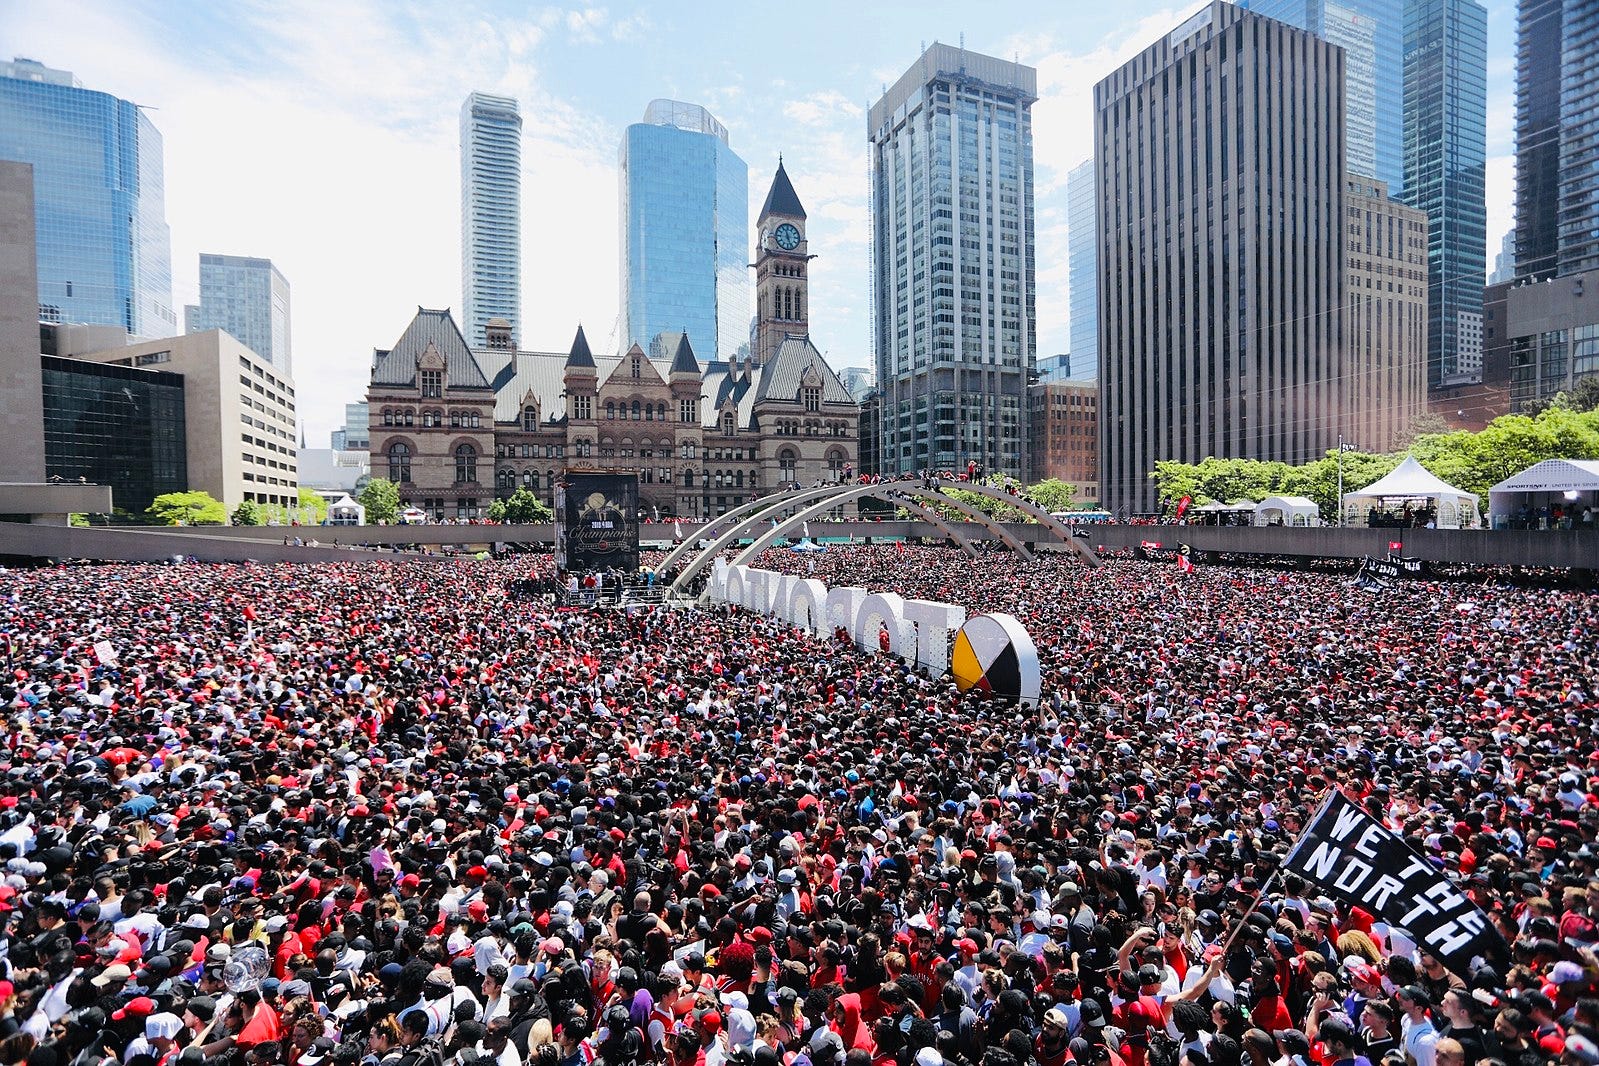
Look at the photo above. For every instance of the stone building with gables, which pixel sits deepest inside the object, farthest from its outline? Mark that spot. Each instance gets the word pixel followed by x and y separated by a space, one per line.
pixel 455 427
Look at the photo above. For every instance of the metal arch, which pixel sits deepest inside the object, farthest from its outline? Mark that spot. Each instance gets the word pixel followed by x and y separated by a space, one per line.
pixel 757 504
pixel 890 491
pixel 1045 519
pixel 765 539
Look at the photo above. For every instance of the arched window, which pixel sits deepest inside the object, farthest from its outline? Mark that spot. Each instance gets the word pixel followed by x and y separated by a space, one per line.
pixel 408 416
pixel 728 424
pixel 388 417
pixel 530 418
pixel 505 479
pixel 549 479
pixel 399 463
pixel 660 412
pixel 455 419
pixel 786 460
pixel 465 464
pixel 530 479
pixel 610 409
pixel 635 411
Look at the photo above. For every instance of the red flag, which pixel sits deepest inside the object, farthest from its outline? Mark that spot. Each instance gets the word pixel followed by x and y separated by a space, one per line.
pixel 899 545
pixel 1182 505
pixel 1185 565
pixel 1396 545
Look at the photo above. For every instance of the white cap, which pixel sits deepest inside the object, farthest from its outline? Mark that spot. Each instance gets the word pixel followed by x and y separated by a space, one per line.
pixel 929 1056
pixel 163 1026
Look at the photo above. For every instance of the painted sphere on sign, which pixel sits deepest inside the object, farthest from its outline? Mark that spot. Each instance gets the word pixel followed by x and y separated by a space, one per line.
pixel 994 654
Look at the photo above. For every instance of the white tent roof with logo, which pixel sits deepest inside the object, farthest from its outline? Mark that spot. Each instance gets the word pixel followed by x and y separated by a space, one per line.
pixel 1412 481
pixel 1579 476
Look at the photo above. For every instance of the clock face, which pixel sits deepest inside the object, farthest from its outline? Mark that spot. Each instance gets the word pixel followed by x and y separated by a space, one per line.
pixel 788 237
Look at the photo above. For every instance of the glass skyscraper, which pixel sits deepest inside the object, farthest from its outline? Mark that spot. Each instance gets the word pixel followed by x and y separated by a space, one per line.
pixel 1446 147
pixel 1578 218
pixel 953 285
pixel 1082 250
pixel 491 214
pixel 685 232
pixel 105 255
pixel 1372 35
pixel 248 298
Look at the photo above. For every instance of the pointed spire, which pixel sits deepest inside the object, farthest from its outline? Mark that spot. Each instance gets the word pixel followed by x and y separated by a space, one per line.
pixel 580 356
pixel 781 200
pixel 684 361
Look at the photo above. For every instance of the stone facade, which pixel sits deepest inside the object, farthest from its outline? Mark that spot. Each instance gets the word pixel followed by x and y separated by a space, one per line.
pixel 455 427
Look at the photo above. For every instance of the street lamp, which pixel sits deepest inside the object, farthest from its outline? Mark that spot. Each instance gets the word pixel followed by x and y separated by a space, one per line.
pixel 1342 448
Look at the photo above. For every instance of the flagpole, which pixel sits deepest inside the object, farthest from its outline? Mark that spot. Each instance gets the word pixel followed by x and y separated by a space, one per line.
pixel 1276 874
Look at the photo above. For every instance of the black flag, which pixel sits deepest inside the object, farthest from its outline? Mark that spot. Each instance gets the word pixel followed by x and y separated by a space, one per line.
pixel 1350 854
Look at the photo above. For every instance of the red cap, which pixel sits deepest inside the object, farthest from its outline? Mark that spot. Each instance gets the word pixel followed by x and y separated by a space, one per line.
pixel 410 880
pixel 618 836
pixel 712 1020
pixel 477 871
pixel 477 908
pixel 1547 843
pixel 966 946
pixel 138 1008
pixel 760 935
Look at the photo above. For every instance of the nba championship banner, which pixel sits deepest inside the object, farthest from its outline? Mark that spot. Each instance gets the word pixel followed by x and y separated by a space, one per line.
pixel 1351 855
pixel 596 523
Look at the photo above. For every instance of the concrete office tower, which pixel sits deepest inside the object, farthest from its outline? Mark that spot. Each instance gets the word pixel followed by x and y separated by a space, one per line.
pixel 249 298
pixel 1371 33
pixel 105 256
pixel 685 232
pixel 1219 159
pixel 491 214
pixel 1446 146
pixel 1385 321
pixel 1082 251
pixel 22 457
pixel 954 333
pixel 1557 137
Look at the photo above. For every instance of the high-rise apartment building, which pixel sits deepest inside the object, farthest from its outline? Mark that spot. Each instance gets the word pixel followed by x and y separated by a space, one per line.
pixel 249 298
pixel 1557 137
pixel 1371 33
pixel 685 231
pixel 1505 260
pixel 1385 318
pixel 953 291
pixel 1578 219
pixel 1219 162
pixel 491 213
pixel 105 255
pixel 1537 137
pixel 1082 254
pixel 1446 147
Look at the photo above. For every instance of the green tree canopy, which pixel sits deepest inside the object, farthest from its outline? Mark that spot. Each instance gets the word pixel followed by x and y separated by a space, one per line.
pixel 525 506
pixel 187 509
pixel 313 507
pixel 1052 494
pixel 247 513
pixel 381 499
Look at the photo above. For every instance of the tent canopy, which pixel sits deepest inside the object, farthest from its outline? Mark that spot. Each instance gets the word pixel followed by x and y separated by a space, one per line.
pixel 1553 475
pixel 1215 506
pixel 1571 479
pixel 1407 481
pixel 1289 510
pixel 1412 481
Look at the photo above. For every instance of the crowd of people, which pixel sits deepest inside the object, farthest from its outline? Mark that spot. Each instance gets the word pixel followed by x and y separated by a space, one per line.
pixel 387 813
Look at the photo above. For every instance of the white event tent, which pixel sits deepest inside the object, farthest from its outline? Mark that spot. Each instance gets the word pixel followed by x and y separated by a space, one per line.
pixel 1572 484
pixel 1410 482
pixel 1287 511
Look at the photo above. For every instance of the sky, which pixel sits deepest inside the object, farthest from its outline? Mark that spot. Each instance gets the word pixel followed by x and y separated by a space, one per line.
pixel 324 135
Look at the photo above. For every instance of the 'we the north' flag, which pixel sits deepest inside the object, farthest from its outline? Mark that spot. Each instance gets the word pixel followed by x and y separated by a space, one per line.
pixel 1353 856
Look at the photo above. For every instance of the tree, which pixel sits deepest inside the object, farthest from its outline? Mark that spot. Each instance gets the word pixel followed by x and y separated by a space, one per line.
pixel 247 513
pixel 78 520
pixel 313 507
pixel 381 499
pixel 1052 494
pixel 496 511
pixel 187 509
pixel 525 506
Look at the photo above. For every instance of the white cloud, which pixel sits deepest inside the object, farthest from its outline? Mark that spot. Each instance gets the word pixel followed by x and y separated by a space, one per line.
pixel 334 152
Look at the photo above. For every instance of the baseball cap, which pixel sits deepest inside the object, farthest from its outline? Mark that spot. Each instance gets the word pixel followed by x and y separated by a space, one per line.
pixel 141 1007
pixel 111 975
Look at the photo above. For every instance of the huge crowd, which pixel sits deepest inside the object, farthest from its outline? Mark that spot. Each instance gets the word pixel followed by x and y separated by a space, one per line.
pixel 384 813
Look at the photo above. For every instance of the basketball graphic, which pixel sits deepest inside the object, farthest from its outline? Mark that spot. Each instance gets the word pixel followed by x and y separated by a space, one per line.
pixel 993 653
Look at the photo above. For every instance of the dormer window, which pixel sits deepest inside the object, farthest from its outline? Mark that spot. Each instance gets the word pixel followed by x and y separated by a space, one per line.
pixel 811 396
pixel 728 426
pixel 433 383
pixel 530 418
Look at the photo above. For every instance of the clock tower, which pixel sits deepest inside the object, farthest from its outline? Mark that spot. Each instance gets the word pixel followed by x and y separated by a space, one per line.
pixel 782 263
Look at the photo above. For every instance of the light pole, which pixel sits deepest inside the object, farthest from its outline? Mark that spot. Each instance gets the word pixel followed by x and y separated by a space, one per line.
pixel 1342 448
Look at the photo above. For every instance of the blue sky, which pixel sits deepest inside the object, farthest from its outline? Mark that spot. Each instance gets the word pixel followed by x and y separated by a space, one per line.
pixel 323 134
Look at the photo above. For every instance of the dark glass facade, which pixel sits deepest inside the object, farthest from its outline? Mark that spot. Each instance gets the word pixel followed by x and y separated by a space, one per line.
pixel 1537 136
pixel 1446 148
pixel 115 425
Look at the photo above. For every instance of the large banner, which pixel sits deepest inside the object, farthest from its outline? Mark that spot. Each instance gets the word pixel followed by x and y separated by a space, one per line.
pixel 596 523
pixel 1350 854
